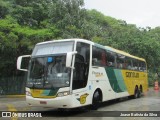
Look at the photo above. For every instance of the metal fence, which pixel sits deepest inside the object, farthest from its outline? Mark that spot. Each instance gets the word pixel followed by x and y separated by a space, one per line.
pixel 12 85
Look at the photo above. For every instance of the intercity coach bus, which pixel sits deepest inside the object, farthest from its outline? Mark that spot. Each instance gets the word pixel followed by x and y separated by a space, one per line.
pixel 72 73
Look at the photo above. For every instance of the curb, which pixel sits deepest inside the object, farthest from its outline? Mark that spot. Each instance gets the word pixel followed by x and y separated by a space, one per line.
pixel 12 96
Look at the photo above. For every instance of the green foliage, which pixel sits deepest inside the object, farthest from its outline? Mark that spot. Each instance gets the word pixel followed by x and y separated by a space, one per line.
pixel 30 12
pixel 4 9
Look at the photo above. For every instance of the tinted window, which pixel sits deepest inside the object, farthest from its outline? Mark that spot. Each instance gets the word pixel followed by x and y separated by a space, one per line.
pixel 135 64
pixel 98 57
pixel 142 66
pixel 120 61
pixel 128 62
pixel 110 59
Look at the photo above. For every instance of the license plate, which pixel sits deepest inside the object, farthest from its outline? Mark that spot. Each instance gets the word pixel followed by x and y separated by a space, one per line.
pixel 43 102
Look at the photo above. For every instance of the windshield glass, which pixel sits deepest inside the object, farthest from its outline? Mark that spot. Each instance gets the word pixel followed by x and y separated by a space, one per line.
pixel 48 72
pixel 53 48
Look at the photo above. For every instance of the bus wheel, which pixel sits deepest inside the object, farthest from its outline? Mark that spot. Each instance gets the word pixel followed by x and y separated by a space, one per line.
pixel 136 93
pixel 140 92
pixel 96 100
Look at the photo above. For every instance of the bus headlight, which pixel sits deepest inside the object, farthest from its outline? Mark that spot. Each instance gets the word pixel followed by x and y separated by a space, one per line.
pixel 61 94
pixel 28 93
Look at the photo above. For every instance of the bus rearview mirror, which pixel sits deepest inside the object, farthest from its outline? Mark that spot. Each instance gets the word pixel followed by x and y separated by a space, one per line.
pixel 69 58
pixel 19 61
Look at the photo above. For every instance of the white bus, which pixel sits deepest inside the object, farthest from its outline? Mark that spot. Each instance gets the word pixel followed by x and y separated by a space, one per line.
pixel 72 73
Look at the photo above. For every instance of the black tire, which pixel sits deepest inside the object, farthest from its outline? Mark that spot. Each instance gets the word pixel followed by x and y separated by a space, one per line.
pixel 136 93
pixel 140 92
pixel 96 100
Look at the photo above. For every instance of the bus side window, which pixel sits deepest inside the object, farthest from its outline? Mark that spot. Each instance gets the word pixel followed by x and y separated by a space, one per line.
pixel 98 57
pixel 142 66
pixel 120 61
pixel 135 64
pixel 128 63
pixel 110 58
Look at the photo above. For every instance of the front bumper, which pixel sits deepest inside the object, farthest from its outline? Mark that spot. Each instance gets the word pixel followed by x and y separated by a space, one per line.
pixel 58 102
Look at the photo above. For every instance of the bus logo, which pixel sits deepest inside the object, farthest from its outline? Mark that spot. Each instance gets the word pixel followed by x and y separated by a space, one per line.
pixel 97 74
pixel 132 74
pixel 83 98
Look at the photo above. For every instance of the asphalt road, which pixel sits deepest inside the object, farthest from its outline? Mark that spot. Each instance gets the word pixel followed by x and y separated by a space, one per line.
pixel 148 105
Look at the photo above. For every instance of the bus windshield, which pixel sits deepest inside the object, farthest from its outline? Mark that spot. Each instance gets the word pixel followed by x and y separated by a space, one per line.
pixel 47 68
pixel 53 48
pixel 48 72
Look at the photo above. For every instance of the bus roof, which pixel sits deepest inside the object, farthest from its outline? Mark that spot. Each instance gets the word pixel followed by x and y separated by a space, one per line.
pixel 66 40
pixel 123 53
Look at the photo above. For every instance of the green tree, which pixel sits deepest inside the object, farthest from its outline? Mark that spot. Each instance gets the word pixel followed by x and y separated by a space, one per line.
pixel 4 9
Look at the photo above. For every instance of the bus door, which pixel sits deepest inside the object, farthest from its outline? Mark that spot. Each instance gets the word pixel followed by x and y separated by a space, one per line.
pixel 81 68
